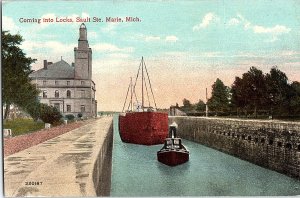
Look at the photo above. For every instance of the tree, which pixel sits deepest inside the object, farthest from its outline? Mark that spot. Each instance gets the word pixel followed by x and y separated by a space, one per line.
pixel 186 103
pixel 200 106
pixel 219 100
pixel 16 87
pixel 277 90
pixel 250 92
pixel 239 98
pixel 33 108
pixel 255 88
pixel 295 98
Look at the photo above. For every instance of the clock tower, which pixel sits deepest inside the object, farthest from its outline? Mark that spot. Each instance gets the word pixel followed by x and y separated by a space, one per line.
pixel 83 56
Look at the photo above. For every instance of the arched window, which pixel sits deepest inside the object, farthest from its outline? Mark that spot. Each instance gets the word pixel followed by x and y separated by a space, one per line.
pixel 56 94
pixel 68 94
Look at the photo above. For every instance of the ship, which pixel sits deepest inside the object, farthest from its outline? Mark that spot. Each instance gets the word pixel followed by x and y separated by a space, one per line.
pixel 173 152
pixel 141 124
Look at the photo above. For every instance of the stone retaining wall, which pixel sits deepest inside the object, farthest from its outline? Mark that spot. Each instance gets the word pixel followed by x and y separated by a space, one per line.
pixel 271 144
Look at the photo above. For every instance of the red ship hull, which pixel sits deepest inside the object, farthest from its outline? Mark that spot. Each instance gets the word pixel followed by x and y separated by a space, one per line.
pixel 172 158
pixel 146 128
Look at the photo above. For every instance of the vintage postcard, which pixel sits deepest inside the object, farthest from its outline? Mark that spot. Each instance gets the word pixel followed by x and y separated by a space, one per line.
pixel 150 98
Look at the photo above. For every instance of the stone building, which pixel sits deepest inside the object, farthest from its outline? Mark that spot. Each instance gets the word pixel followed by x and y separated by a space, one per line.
pixel 69 88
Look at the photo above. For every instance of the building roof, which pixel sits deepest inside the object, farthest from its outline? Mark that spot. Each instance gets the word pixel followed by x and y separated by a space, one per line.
pixel 60 69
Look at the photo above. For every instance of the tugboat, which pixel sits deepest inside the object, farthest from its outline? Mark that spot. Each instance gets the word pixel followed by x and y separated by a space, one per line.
pixel 142 124
pixel 173 152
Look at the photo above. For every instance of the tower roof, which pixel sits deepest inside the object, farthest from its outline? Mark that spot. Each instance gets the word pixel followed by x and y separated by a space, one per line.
pixel 82 26
pixel 60 69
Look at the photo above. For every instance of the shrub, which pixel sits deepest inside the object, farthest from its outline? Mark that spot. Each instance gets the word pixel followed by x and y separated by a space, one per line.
pixel 70 117
pixel 50 114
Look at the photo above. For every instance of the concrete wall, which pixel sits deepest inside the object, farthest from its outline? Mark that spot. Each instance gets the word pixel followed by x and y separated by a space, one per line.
pixel 271 144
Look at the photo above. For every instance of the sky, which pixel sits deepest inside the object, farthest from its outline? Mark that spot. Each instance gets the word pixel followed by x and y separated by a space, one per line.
pixel 186 45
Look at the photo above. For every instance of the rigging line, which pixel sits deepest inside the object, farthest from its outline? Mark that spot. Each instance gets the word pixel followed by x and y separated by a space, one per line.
pixel 135 96
pixel 126 98
pixel 147 91
pixel 150 85
pixel 128 106
pixel 130 102
pixel 137 75
pixel 131 92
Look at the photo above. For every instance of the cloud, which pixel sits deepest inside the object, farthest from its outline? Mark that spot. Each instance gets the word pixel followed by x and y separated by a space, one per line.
pixel 154 38
pixel 151 38
pixel 243 21
pixel 171 38
pixel 110 28
pixel 207 19
pixel 92 34
pixel 52 46
pixel 233 21
pixel 278 29
pixel 107 47
pixel 273 31
pixel 9 24
pixel 50 50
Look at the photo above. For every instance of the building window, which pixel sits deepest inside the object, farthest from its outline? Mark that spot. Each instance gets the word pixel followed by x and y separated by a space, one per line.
pixel 57 106
pixel 56 94
pixel 68 94
pixel 82 94
pixel 82 109
pixel 68 82
pixel 68 108
pixel 44 82
pixel 44 94
pixel 56 82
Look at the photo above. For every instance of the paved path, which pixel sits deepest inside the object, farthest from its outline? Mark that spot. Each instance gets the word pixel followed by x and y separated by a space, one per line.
pixel 61 166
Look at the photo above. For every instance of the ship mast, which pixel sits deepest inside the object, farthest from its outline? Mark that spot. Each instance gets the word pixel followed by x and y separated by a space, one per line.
pixel 131 90
pixel 143 83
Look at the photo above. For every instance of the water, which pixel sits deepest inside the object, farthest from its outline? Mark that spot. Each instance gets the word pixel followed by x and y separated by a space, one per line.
pixel 136 172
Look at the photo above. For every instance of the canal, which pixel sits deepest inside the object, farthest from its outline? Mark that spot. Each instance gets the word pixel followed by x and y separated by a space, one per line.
pixel 136 172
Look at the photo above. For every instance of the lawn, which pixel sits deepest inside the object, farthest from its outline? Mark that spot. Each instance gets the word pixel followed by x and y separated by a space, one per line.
pixel 22 126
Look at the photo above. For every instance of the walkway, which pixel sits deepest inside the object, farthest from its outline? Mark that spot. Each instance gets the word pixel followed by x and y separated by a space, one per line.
pixel 61 166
